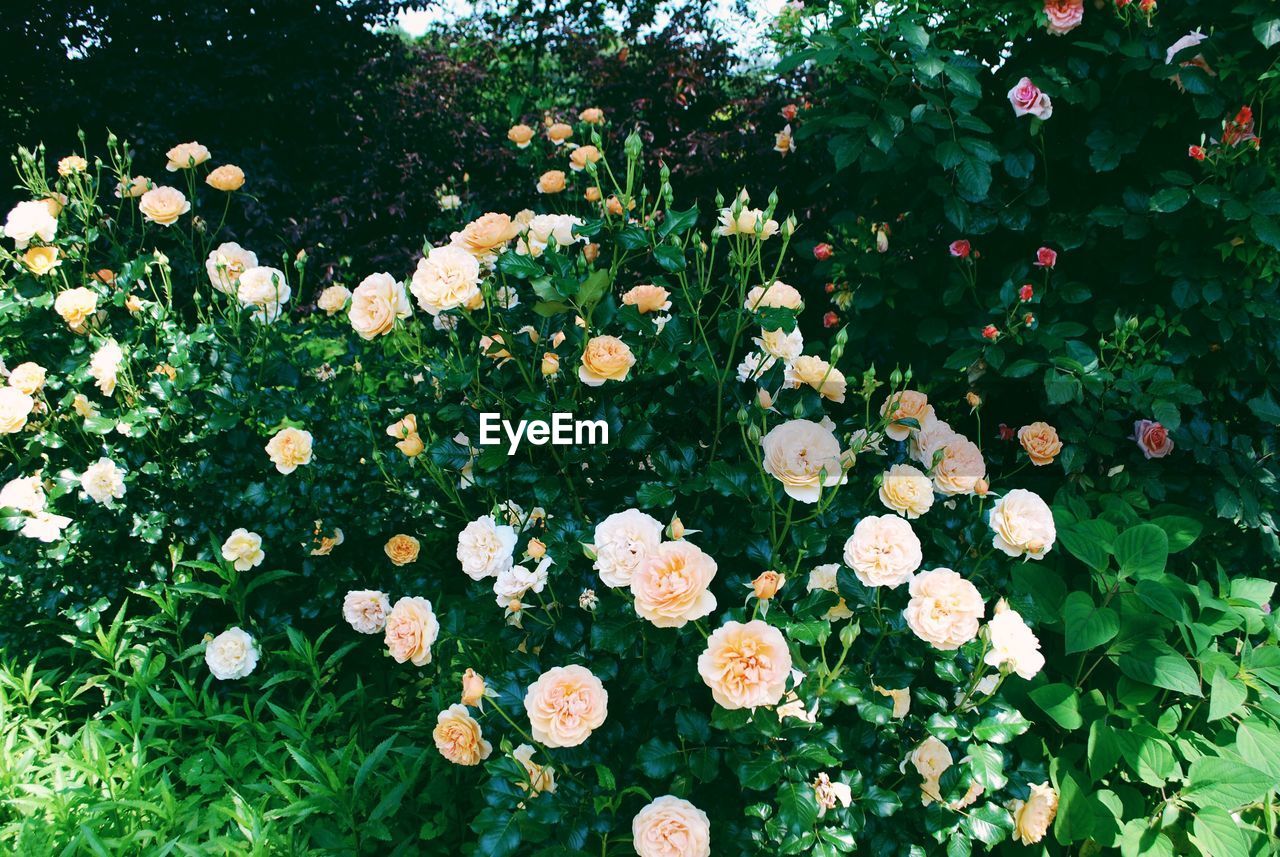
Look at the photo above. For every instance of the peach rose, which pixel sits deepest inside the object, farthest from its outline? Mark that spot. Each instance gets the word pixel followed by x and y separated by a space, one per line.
pixel 227 177
pixel 76 306
pixel 811 371
pixel 408 440
pixel 401 549
pixel 745 665
pixel 15 407
pixel 559 133
pixel 289 449
pixel 805 457
pixel 565 705
pixel 944 610
pixel 71 165
pixel 1032 817
pixel 901 697
pixel 486 235
pixel 132 188
pixel 907 404
pixel 767 584
pixel 473 687
pixel 648 299
pixel 411 630
pixel 906 490
pixel 552 181
pixel 333 299
pixel 1023 524
pixel 27 377
pixel 671 827
pixel 606 358
pixel 41 260
pixel 521 135
pixel 960 468
pixel 591 194
pixel 1040 440
pixel 778 295
pixel 883 551
pixel 671 587
pixel 376 304
pixel 580 157
pixel 163 205
pixel 592 116
pixel 550 364
pixel 184 156
pixel 458 737
pixel 1064 15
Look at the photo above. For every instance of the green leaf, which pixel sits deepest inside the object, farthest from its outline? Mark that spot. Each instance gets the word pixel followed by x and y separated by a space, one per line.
pixel 1267 32
pixel 1155 663
pixel 1169 199
pixel 1086 625
pixel 659 759
pixel 1267 230
pixel 1142 551
pixel 1179 530
pixel 797 806
pixel 1259 742
pixel 986 766
pixel 676 221
pixel 521 267
pixel 759 773
pixel 670 258
pixel 1089 541
pixel 593 288
pixel 1226 696
pixel 1215 833
pixel 1226 783
pixel 1002 727
pixel 1061 702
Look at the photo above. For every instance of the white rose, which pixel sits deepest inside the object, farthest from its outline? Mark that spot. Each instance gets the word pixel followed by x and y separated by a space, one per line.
pixel 366 610
pixel 883 551
pixel 26 494
pixel 1023 525
pixel 264 290
pixel 944 609
pixel 103 481
pixel 1014 646
pixel 29 220
pixel 623 542
pixel 544 228
pixel 232 654
pixel 805 457
pixel 514 581
pixel 15 407
pixel 485 548
pixel 45 527
pixel 104 366
pixel 447 278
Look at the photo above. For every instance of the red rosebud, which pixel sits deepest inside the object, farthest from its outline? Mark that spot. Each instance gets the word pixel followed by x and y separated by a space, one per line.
pixel 1120 4
pixel 1147 5
pixel 1197 152
pixel 822 252
pixel 1046 257
pixel 991 332
pixel 1245 116
pixel 1028 319
pixel 1006 433
pixel 829 288
pixel 1026 293
pixel 960 249
pixel 789 112
pixel 831 319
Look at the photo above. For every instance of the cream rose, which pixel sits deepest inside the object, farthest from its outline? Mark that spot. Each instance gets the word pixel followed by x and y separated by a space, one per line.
pixel 745 665
pixel 447 278
pixel 184 156
pixel 485 236
pixel 671 827
pixel 28 220
pixel 906 490
pixel 1023 524
pixel 1041 442
pixel 805 457
pixel 542 229
pixel 606 358
pixel 243 549
pixel 486 548
pixel 901 697
pixel 779 295
pixel 816 373
pixel 45 527
pixel 163 205
pixel 908 404
pixel 76 306
pixel 1014 646
pixel 26 494
pixel 746 222
pixel 265 290
pixel 541 778
pixel 411 630
pixel 333 299
pixel 103 481
pixel 883 551
pixel 132 188
pixel 227 177
pixel 289 449
pixel 648 299
pixel 27 377
pixel 402 549
pixel 233 654
pixel 365 610
pixel 671 587
pixel 944 610
pixel 780 344
pixel 15 407
pixel 458 736
pixel 104 366
pixel 931 760
pixel 826 578
pixel 624 542
pixel 1032 817
pixel 226 263
pixel 565 705
pixel 960 468
pixel 376 304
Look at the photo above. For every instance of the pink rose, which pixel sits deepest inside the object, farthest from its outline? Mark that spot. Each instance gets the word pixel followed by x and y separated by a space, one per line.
pixel 1046 257
pixel 822 252
pixel 1064 15
pixel 961 249
pixel 1027 99
pixel 1152 438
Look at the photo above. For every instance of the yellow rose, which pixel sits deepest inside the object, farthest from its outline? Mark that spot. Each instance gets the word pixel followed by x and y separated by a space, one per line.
pixel 15 407
pixel 671 827
pixel 559 133
pixel 411 630
pixel 41 260
pixel 72 164
pixel 1032 817
pixel 227 177
pixel 580 157
pixel 552 181
pixel 591 194
pixel 901 699
pixel 406 431
pixel 458 737
pixel 565 705
pixel 1040 440
pixel 592 116
pixel 671 586
pixel 401 549
pixel 186 155
pixel 817 373
pixel 908 404
pixel 648 298
pixel 83 407
pixel 550 364
pixel 27 377
pixel 520 135
pixel 163 205
pixel 541 778
pixel 486 235
pixel 289 449
pixel 606 358
pixel 76 306
pixel 745 665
